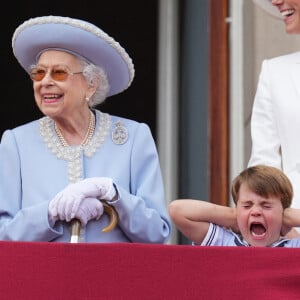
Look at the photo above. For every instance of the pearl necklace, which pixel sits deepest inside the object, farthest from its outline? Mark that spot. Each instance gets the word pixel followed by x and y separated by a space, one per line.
pixel 88 135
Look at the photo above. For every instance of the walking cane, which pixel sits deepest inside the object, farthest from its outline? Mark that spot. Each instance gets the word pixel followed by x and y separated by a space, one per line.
pixel 76 225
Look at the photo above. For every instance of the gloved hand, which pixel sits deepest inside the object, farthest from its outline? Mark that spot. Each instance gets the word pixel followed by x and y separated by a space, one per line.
pixel 105 185
pixel 65 204
pixel 89 209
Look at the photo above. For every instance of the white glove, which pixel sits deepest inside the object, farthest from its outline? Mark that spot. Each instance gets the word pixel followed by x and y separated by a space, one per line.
pixel 89 209
pixel 105 186
pixel 65 204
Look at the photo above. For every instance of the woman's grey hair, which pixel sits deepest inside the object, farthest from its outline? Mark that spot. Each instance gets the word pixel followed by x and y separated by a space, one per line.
pixel 96 76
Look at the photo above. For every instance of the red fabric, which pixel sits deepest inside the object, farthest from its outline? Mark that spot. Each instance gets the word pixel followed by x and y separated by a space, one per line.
pixel 143 271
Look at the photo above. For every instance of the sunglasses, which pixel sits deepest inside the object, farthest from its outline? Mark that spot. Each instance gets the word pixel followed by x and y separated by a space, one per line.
pixel 57 73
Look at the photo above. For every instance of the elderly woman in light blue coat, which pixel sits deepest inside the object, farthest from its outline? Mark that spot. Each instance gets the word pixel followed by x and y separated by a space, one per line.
pixel 76 160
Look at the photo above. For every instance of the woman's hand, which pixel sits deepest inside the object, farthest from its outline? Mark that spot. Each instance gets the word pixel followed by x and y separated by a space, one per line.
pixel 65 205
pixel 89 209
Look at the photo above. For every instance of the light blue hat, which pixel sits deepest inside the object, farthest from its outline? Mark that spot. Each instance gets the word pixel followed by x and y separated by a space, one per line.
pixel 268 7
pixel 78 37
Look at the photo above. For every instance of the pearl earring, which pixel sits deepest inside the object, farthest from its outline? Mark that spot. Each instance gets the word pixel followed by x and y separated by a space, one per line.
pixel 87 99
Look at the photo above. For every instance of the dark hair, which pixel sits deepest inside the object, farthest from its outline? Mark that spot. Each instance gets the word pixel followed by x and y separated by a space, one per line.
pixel 265 181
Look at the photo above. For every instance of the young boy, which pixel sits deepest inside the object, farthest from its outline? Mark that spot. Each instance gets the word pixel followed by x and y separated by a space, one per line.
pixel 262 195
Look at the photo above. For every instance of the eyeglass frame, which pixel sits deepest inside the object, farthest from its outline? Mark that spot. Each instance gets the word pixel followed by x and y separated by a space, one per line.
pixel 64 68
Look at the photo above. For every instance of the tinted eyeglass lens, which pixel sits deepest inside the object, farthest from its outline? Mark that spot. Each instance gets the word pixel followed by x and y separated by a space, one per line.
pixel 37 74
pixel 59 74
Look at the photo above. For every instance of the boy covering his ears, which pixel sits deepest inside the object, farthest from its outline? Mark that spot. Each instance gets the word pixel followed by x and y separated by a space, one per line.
pixel 262 194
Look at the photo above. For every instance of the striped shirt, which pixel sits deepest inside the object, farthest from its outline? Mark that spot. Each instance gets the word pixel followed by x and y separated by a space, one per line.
pixel 219 236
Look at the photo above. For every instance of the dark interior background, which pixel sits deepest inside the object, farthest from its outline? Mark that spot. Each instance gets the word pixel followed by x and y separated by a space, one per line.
pixel 132 23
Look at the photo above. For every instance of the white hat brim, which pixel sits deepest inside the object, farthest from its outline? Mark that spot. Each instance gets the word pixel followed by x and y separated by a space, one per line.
pixel 79 37
pixel 268 7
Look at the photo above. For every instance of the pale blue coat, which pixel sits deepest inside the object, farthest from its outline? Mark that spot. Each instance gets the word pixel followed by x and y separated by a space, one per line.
pixel 31 175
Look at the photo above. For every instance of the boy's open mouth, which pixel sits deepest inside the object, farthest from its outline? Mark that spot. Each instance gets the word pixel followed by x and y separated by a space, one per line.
pixel 257 229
